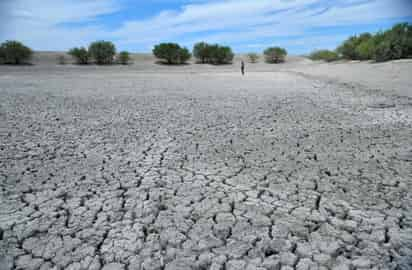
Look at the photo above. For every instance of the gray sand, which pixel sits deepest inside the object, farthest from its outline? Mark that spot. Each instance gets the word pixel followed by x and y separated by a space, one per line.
pixel 196 167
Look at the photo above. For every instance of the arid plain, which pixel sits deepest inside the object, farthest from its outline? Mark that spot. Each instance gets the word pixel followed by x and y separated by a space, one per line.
pixel 300 166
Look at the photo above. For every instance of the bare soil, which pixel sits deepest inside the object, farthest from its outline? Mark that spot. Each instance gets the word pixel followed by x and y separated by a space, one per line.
pixel 296 166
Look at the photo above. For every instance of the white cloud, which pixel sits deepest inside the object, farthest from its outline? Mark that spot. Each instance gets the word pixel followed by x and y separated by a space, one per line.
pixel 39 24
pixel 52 12
pixel 248 20
pixel 229 21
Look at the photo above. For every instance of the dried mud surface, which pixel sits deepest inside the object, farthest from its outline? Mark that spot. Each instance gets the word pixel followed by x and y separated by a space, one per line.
pixel 113 169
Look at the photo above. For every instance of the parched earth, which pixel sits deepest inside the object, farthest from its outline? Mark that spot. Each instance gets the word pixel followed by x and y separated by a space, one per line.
pixel 113 169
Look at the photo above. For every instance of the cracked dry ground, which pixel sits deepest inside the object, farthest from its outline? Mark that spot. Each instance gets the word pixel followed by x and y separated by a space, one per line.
pixel 202 171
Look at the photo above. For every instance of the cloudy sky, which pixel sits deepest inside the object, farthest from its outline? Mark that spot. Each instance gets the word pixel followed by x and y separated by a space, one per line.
pixel 246 25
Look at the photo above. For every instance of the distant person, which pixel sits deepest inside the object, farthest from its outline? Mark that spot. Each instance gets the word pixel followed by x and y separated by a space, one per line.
pixel 242 67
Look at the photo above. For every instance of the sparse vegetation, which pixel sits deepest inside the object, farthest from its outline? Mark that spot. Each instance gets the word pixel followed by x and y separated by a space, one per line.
pixel 61 60
pixel 124 58
pixel 172 53
pixel 14 52
pixel 213 54
pixel 81 55
pixel 102 52
pixel 253 57
pixel 275 55
pixel 325 55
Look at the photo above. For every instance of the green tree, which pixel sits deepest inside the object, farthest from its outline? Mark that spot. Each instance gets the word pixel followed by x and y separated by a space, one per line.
pixel 349 49
pixel 102 52
pixel 172 53
pixel 14 52
pixel 124 58
pixel 213 54
pixel 385 52
pixel 201 51
pixel 275 55
pixel 2 56
pixel 395 43
pixel 184 55
pixel 221 54
pixel 408 50
pixel 325 55
pixel 81 55
pixel 366 50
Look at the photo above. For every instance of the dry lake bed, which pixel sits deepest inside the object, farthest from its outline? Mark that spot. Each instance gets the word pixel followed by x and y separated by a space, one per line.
pixel 302 166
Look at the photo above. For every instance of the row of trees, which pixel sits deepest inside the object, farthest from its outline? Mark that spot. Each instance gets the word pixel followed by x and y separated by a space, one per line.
pixel 214 54
pixel 102 52
pixel 395 43
pixel 272 55
pixel 173 53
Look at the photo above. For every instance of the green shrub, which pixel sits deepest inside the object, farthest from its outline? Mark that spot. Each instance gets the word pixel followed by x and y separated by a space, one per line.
pixel 384 52
pixel 408 49
pixel 379 38
pixel 184 55
pixel 325 55
pixel 201 51
pixel 395 43
pixel 389 49
pixel 348 49
pixel 366 50
pixel 102 52
pixel 220 54
pixel 253 57
pixel 81 55
pixel 172 53
pixel 124 58
pixel 213 54
pixel 1 56
pixel 275 55
pixel 14 52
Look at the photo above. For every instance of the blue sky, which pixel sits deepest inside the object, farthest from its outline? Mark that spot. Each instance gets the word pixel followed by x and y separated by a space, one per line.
pixel 247 25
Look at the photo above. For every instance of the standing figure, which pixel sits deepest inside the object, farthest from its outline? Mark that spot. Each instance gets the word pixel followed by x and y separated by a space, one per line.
pixel 242 67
